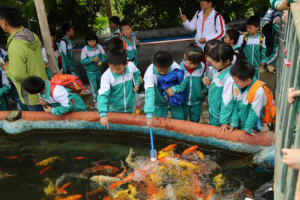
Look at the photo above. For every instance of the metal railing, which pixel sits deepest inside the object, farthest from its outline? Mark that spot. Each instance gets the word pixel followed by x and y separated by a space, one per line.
pixel 288 76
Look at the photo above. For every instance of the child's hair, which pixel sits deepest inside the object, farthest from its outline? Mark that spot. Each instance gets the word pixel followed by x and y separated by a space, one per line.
pixel 234 35
pixel 211 1
pixel 222 52
pixel 226 17
pixel 65 27
pixel 91 35
pixel 33 85
pixel 194 53
pixel 243 70
pixel 117 56
pixel 163 59
pixel 210 45
pixel 115 20
pixel 113 43
pixel 254 21
pixel 11 15
pixel 125 22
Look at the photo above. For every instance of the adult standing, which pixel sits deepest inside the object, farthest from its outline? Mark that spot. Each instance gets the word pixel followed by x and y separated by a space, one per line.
pixel 24 53
pixel 208 23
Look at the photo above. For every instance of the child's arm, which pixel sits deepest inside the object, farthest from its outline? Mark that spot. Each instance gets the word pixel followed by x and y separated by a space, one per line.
pixel 255 110
pixel 240 41
pixel 263 56
pixel 63 49
pixel 85 60
pixel 227 103
pixel 136 74
pixel 102 54
pixel 190 25
pixel 178 88
pixel 103 94
pixel 221 30
pixel 235 115
pixel 292 94
pixel 64 98
pixel 149 96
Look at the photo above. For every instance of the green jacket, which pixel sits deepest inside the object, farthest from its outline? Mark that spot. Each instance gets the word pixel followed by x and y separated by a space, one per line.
pixel 153 97
pixel 66 50
pixel 117 89
pixel 5 89
pixel 220 96
pixel 63 100
pixel 252 51
pixel 192 83
pixel 274 3
pixel 87 55
pixel 274 49
pixel 131 50
pixel 25 59
pixel 245 115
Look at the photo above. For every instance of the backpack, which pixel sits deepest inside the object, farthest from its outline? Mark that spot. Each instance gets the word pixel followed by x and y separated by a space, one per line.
pixel 68 81
pixel 266 26
pixel 270 110
pixel 246 36
pixel 215 21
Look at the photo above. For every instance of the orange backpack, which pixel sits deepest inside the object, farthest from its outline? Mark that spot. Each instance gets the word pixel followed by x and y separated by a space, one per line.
pixel 68 81
pixel 270 109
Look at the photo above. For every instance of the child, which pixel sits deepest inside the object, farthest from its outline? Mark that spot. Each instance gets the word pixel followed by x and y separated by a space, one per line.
pixel 232 37
pixel 253 44
pixel 210 45
pixel 92 57
pixel 114 23
pixel 130 42
pixel 4 85
pixel 56 99
pixel 118 85
pixel 193 74
pixel 155 103
pixel 66 49
pixel 220 95
pixel 247 114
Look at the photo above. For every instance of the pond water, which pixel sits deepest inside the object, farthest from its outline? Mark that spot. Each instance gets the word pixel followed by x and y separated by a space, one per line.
pixel 68 157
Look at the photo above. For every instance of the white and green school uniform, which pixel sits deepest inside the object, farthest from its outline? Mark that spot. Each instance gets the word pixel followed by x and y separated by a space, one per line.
pixel 116 33
pixel 63 100
pixel 155 103
pixel 253 52
pixel 192 82
pixel 272 58
pixel 4 92
pixel 66 49
pixel 246 115
pixel 131 49
pixel 117 90
pixel 93 71
pixel 220 98
pixel 46 62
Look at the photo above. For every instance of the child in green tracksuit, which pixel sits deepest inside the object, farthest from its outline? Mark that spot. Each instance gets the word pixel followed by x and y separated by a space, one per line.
pixel 130 42
pixel 118 85
pixel 114 23
pixel 155 102
pixel 66 49
pixel 92 57
pixel 220 95
pixel 4 91
pixel 253 44
pixel 193 73
pixel 56 99
pixel 246 115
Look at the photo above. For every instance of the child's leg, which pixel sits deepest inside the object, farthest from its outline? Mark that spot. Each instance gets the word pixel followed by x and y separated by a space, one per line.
pixel 177 112
pixel 213 120
pixel 185 109
pixel 93 76
pixel 195 112
pixel 161 112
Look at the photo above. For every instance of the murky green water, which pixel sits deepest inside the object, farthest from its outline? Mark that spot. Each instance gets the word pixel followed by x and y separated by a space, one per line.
pixel 26 182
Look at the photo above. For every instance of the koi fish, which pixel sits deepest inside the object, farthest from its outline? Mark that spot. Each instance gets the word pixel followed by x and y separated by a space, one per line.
pixel 94 192
pixel 151 190
pixel 219 180
pixel 74 197
pixel 198 189
pixel 79 158
pixel 122 173
pixel 104 179
pixel 210 194
pixel 132 190
pixel 171 147
pixel 11 157
pixel 189 150
pixel 48 161
pixel 164 154
pixel 45 170
pixel 50 188
pixel 107 168
pixel 5 175
pixel 119 183
pixel 62 189
pixel 108 197
pixel 200 154
pixel 129 158
pixel 187 165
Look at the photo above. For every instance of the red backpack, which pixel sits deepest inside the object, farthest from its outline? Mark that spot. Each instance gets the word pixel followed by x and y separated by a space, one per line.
pixel 68 81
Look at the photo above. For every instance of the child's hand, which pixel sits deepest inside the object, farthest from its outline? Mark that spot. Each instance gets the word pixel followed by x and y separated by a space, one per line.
pixel 202 40
pixel 149 122
pixel 292 94
pixel 136 88
pixel 47 65
pixel 226 129
pixel 206 81
pixel 137 42
pixel 170 92
pixel 104 122
pixel 183 17
pixel 99 64
pixel 95 59
pixel 291 158
pixel 47 109
pixel 5 66
pixel 252 134
pixel 42 102
pixel 261 65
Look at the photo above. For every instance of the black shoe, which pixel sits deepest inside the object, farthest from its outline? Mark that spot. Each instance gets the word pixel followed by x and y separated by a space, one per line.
pixel 265 67
pixel 274 71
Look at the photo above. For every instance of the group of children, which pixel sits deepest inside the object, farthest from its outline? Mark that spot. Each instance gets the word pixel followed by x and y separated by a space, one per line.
pixel 226 76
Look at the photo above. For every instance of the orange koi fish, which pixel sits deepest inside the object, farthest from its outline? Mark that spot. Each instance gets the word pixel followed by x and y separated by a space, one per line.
pixel 79 158
pixel 62 189
pixel 169 148
pixel 189 150
pixel 125 180
pixel 45 170
pixel 11 157
pixel 94 192
pixel 151 190
pixel 108 197
pixel 108 168
pixel 210 194
pixel 122 173
pixel 75 197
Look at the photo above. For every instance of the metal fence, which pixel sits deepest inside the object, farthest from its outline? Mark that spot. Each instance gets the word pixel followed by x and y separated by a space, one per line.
pixel 288 76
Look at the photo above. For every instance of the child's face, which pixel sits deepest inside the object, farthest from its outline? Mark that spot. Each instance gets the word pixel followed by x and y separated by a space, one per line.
pixel 4 25
pixel 71 32
pixel 252 30
pixel 220 65
pixel 190 65
pixel 126 31
pixel 113 26
pixel 227 40
pixel 208 59
pixel 92 43
pixel 205 4
pixel 117 69
pixel 162 71
pixel 242 84
pixel 52 39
